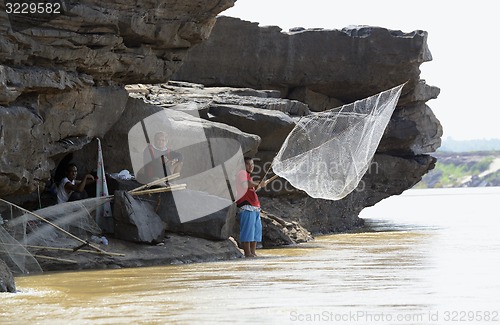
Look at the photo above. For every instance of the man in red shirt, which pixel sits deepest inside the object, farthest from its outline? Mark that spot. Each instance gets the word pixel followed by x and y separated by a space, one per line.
pixel 249 209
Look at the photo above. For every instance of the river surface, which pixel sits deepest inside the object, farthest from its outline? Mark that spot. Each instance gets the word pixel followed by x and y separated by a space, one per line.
pixel 425 257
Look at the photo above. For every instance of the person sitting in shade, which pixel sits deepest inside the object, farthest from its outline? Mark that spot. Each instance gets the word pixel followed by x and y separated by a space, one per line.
pixel 70 189
pixel 160 160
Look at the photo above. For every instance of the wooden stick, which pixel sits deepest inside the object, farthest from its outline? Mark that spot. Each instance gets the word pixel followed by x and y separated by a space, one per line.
pixel 264 178
pixel 64 249
pixel 271 179
pixel 158 181
pixel 174 187
pixel 55 226
pixel 45 257
pixel 81 246
pixel 267 182
pixel 161 190
pixel 56 259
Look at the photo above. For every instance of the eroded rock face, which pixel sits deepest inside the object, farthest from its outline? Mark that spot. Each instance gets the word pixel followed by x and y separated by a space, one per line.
pixel 347 64
pixel 61 85
pixel 325 69
pixel 183 127
pixel 61 82
pixel 394 168
pixel 123 42
pixel 252 111
pixel 33 136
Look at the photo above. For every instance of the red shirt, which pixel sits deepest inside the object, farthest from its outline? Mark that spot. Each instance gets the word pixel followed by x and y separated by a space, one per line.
pixel 245 192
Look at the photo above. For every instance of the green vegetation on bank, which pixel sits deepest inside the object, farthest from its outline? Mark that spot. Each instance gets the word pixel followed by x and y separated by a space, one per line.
pixel 463 170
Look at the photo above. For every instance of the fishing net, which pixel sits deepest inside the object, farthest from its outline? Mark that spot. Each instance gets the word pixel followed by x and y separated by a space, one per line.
pixel 60 225
pixel 16 256
pixel 327 153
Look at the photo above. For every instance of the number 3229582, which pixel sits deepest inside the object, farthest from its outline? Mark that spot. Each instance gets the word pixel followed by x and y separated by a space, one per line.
pixel 469 316
pixel 33 8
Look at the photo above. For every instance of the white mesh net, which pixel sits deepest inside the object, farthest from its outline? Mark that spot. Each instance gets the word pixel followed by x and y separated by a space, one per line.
pixel 327 153
pixel 23 234
pixel 16 256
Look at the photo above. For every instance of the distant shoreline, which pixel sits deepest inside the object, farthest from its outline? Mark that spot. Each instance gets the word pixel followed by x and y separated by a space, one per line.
pixel 472 145
pixel 463 169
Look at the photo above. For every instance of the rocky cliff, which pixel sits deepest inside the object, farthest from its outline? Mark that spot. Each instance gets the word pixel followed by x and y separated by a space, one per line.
pixel 61 79
pixel 63 84
pixel 317 65
pixel 325 69
pixel 271 118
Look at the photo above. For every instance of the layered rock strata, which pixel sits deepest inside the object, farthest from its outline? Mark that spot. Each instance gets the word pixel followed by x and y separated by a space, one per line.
pixel 61 81
pixel 62 76
pixel 325 69
pixel 343 65
pixel 62 84
pixel 395 167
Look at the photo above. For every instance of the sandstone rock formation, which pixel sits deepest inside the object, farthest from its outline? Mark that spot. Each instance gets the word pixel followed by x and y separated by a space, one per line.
pixel 324 69
pixel 61 81
pixel 117 149
pixel 392 171
pixel 346 64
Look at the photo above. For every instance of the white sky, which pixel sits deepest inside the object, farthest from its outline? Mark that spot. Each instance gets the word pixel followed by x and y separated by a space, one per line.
pixel 463 38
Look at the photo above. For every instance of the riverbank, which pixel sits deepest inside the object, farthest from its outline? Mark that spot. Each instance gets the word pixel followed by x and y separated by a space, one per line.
pixel 193 242
pixel 175 249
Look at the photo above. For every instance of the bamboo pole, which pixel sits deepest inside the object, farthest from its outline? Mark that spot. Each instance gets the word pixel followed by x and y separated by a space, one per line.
pixel 43 257
pixel 56 259
pixel 174 187
pixel 261 183
pixel 270 180
pixel 267 182
pixel 155 182
pixel 63 249
pixel 56 226
pixel 161 190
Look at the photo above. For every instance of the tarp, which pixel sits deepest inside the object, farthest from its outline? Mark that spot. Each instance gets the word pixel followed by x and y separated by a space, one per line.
pixel 104 217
